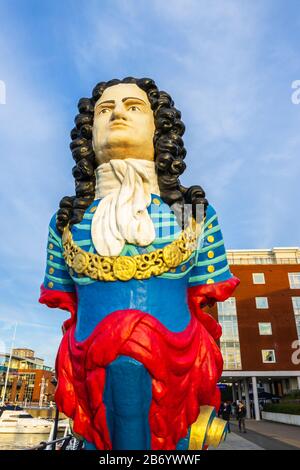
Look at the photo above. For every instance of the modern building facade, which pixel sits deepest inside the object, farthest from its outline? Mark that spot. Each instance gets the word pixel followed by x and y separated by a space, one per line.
pixel 28 380
pixel 261 323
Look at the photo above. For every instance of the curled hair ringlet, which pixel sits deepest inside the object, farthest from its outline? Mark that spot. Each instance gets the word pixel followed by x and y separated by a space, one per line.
pixel 169 153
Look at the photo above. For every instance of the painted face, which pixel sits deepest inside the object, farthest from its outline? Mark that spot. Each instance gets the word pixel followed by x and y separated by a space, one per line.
pixel 123 124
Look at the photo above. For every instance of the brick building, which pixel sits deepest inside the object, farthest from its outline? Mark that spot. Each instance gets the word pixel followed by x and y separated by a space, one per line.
pixel 261 323
pixel 29 379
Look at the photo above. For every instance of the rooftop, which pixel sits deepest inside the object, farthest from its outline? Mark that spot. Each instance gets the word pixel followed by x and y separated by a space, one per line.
pixel 276 255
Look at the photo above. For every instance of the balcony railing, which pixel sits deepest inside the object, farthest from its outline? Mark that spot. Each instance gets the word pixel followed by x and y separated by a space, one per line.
pixel 235 260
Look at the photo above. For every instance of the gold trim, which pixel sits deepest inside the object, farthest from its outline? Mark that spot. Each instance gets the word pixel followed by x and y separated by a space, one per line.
pixel 207 430
pixel 199 428
pixel 124 268
pixel 216 433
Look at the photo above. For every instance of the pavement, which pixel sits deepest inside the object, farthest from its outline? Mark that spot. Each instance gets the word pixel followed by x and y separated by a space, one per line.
pixel 235 442
pixel 262 435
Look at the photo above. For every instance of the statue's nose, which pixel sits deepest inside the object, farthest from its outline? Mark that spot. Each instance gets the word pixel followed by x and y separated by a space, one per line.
pixel 118 113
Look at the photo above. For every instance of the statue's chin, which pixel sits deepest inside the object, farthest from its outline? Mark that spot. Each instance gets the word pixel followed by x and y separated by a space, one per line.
pixel 120 150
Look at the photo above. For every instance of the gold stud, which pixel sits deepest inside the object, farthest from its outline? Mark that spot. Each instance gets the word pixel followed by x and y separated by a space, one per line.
pixel 51 257
pixel 51 271
pixel 210 254
pixel 93 209
pixel 51 246
pixel 210 269
pixel 156 201
pixel 210 239
pixel 183 268
pixel 210 226
pixel 210 281
pixel 172 270
pixel 50 284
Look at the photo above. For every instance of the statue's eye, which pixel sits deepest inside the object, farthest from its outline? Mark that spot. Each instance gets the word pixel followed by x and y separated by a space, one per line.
pixel 104 110
pixel 134 108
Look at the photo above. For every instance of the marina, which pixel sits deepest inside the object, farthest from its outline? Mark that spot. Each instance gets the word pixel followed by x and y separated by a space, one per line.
pixel 20 441
pixel 20 430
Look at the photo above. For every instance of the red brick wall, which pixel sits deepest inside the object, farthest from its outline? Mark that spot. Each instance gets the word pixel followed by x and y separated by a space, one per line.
pixel 280 314
pixel 39 373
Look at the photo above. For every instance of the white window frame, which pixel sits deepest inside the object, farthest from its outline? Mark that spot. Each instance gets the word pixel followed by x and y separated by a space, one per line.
pixel 261 324
pixel 257 299
pixel 255 281
pixel 268 350
pixel 291 279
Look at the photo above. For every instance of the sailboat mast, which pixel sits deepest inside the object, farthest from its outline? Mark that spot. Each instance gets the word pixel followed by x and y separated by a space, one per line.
pixel 8 366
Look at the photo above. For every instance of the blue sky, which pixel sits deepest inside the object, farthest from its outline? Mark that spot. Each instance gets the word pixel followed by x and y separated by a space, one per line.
pixel 229 66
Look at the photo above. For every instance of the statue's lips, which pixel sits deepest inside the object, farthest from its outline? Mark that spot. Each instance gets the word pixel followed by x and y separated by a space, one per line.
pixel 118 124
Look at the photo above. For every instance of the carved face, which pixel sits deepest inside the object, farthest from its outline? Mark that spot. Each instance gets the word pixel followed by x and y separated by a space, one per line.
pixel 123 124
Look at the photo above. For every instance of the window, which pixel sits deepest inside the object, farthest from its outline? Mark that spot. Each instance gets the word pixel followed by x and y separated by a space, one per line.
pixel 261 302
pixel 258 278
pixel 294 279
pixel 268 355
pixel 265 328
pixel 262 260
pixel 229 342
pixel 231 355
pixel 296 306
pixel 228 307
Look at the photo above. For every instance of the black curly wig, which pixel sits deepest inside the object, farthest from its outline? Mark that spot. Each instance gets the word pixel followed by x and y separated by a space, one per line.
pixel 169 155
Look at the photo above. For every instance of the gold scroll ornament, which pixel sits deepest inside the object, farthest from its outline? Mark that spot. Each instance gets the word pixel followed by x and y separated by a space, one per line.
pixel 207 430
pixel 124 268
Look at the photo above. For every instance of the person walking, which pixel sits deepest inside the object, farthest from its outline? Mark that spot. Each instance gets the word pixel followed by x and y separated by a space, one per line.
pixel 233 409
pixel 241 415
pixel 226 412
pixel 220 412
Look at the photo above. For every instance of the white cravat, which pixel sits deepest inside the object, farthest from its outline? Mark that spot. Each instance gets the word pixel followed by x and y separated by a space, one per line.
pixel 125 187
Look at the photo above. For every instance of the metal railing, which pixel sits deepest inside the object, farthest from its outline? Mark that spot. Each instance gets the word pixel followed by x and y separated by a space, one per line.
pixel 235 260
pixel 68 442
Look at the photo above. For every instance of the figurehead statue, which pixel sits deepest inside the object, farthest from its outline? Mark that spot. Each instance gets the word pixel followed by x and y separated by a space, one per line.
pixel 134 257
